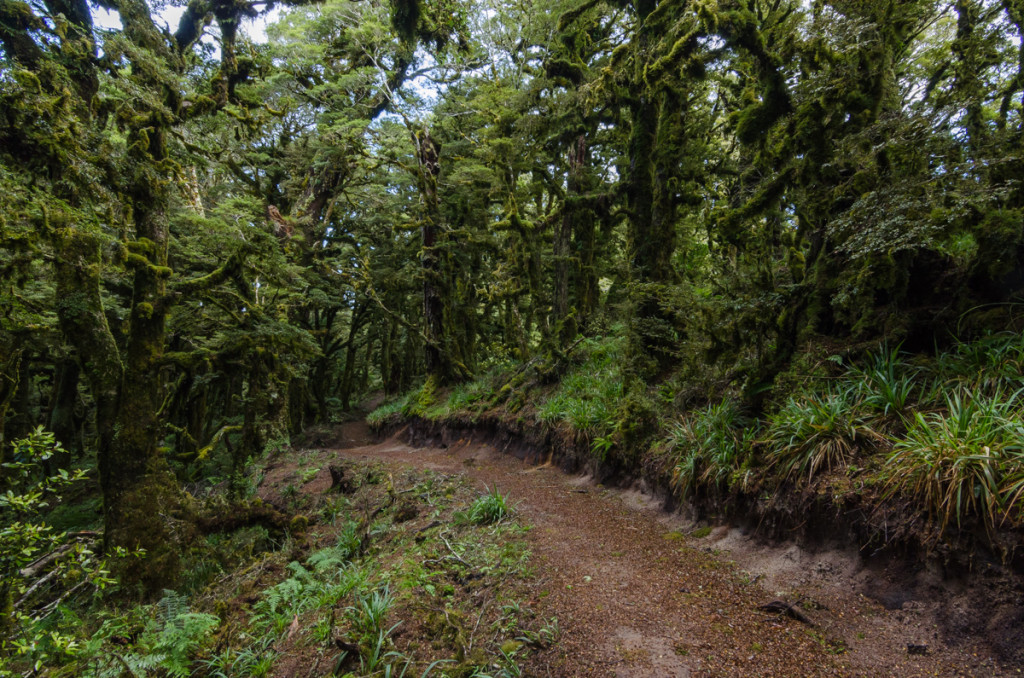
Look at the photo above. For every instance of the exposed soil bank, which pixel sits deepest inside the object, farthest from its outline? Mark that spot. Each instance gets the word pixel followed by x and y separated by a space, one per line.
pixel 961 600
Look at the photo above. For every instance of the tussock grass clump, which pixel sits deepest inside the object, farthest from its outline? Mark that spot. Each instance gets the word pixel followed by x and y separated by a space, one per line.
pixel 370 611
pixel 887 385
pixel 967 461
pixel 491 508
pixel 713 447
pixel 813 432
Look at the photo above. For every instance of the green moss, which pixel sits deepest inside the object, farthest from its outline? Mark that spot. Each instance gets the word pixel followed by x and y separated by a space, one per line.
pixel 141 523
pixel 143 246
pixel 298 525
pixel 701 532
pixel 510 647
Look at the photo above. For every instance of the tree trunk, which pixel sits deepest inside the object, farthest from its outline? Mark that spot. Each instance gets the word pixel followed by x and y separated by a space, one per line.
pixel 428 154
pixel 140 495
pixel 62 414
pixel 651 198
pixel 20 421
pixel 9 371
pixel 572 228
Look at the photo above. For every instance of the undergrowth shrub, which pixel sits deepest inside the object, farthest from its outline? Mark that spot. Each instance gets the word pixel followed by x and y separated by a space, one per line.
pixel 26 491
pixel 329 577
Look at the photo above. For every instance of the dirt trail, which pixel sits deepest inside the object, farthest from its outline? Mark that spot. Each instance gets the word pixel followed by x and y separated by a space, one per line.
pixel 635 597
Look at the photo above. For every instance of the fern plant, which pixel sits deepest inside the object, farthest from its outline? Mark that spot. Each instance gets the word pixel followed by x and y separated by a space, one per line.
pixel 182 634
pixel 166 646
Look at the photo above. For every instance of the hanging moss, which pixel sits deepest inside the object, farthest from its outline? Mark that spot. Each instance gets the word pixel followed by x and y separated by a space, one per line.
pixel 405 18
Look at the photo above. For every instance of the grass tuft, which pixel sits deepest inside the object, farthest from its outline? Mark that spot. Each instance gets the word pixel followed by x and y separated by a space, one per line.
pixel 817 431
pixel 713 448
pixel 967 461
pixel 491 508
pixel 888 385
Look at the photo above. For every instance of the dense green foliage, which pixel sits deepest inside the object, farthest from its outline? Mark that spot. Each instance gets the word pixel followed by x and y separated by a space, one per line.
pixel 666 222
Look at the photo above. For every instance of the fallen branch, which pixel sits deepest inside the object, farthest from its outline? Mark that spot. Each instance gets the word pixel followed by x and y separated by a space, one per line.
pixel 44 561
pixel 783 608
pixel 245 515
pixel 48 609
pixel 457 556
pixel 483 610
pixel 49 576
pixel 41 563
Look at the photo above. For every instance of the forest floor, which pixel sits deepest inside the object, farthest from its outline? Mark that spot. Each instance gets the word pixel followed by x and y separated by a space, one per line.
pixel 638 591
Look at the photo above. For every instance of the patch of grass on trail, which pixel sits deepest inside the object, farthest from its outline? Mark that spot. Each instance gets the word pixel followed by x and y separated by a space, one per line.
pixel 385 579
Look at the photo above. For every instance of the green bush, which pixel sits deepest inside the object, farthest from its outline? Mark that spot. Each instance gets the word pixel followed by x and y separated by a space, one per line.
pixel 25 536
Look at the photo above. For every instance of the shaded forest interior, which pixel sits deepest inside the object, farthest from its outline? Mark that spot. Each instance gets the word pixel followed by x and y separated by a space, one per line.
pixel 758 244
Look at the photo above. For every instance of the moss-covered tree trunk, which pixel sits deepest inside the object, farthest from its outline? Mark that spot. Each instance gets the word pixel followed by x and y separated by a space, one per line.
pixel 390 365
pixel 567 263
pixel 428 153
pixel 651 199
pixel 266 420
pixel 80 312
pixel 351 347
pixel 139 493
pixel 9 371
pixel 20 420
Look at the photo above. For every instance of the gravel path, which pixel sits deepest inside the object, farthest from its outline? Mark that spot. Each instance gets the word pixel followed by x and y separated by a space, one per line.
pixel 635 596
